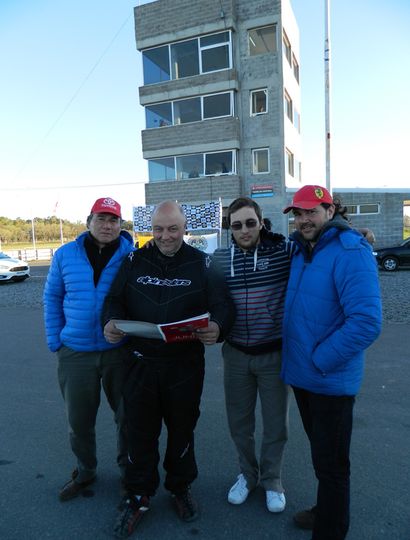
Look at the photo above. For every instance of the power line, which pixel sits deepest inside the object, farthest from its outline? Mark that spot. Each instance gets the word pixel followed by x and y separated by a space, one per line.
pixel 45 188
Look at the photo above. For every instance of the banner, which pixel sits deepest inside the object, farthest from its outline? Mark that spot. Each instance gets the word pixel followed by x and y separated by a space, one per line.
pixel 202 216
pixel 207 243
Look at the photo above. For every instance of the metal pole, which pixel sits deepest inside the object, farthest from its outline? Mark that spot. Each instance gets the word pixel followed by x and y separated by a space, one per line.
pixel 61 232
pixel 33 234
pixel 327 92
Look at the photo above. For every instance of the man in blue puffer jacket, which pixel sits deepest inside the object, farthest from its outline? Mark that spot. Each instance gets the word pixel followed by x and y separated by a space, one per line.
pixel 332 314
pixel 80 276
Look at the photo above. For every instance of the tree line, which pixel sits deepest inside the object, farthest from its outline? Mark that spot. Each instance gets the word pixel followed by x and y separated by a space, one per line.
pixel 45 229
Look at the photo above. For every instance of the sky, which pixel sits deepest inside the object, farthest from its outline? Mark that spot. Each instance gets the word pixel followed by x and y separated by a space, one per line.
pixel 70 118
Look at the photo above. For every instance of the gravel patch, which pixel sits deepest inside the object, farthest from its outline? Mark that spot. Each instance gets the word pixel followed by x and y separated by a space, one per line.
pixel 394 287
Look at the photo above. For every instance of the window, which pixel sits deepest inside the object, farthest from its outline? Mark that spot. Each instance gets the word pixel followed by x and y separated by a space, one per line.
pixel 215 52
pixel 188 58
pixel 295 67
pixel 289 163
pixel 184 59
pixel 187 110
pixel 191 166
pixel 156 65
pixel 288 107
pixel 260 160
pixel 366 208
pixel 219 163
pixel 161 169
pixel 158 115
pixel 296 119
pixel 287 48
pixel 262 40
pixel 217 105
pixel 259 102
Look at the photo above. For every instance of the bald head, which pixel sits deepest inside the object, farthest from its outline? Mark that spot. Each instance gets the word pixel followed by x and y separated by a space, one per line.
pixel 168 227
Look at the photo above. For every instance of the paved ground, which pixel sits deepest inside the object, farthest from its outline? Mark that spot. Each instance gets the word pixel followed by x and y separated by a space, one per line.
pixel 35 459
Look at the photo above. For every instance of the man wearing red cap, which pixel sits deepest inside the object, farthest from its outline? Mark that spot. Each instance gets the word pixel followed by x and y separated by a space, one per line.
pixel 332 314
pixel 80 276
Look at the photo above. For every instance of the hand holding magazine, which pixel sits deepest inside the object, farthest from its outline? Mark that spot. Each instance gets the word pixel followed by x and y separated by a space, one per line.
pixel 170 332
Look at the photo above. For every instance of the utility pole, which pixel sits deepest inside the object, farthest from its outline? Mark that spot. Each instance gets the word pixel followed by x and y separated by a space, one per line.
pixel 327 92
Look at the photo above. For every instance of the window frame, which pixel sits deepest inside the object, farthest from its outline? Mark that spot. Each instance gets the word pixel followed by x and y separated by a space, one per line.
pixel 254 160
pixel 287 48
pixel 201 98
pixel 250 39
pixel 200 48
pixel 251 94
pixel 288 106
pixel 203 173
pixel 290 162
pixel 358 209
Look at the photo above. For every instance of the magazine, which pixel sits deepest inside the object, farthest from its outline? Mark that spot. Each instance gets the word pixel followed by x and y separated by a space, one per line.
pixel 170 332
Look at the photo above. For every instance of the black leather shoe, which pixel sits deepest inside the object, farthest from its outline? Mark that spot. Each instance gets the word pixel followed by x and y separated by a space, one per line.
pixel 72 489
pixel 305 519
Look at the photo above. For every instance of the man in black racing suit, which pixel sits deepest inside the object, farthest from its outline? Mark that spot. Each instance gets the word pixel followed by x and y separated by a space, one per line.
pixel 167 282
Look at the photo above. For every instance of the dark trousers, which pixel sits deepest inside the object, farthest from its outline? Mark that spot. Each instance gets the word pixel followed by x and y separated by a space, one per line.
pixel 328 424
pixel 157 390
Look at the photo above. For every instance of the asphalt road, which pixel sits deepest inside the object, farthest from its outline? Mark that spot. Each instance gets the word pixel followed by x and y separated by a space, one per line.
pixel 35 459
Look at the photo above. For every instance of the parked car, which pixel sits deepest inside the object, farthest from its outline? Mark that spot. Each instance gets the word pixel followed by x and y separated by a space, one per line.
pixel 392 257
pixel 13 269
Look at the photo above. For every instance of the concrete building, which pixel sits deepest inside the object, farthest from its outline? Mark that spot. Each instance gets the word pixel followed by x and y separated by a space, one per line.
pixel 222 101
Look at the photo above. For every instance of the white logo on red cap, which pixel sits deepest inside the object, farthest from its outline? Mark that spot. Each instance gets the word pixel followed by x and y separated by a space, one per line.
pixel 109 202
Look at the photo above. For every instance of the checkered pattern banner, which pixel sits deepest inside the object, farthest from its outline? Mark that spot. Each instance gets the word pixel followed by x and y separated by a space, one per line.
pixel 202 216
pixel 142 218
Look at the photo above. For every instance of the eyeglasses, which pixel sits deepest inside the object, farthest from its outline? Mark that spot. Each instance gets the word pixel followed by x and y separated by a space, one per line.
pixel 249 224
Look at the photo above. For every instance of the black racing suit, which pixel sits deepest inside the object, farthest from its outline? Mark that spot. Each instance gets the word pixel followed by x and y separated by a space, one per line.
pixel 165 379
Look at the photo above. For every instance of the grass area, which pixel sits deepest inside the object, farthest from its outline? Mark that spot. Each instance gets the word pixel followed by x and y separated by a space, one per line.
pixel 406 232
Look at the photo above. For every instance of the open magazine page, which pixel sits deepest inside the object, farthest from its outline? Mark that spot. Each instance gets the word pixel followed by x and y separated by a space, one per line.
pixel 170 332
pixel 184 330
pixel 139 329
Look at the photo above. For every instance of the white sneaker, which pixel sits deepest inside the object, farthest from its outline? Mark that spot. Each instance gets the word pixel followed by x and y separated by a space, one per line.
pixel 275 501
pixel 239 491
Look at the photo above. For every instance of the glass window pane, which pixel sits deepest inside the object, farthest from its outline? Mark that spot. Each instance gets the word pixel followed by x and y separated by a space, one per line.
pixel 261 161
pixel 218 105
pixel 184 59
pixel 262 40
pixel 259 102
pixel 287 48
pixel 222 37
pixel 161 169
pixel 158 115
pixel 369 208
pixel 215 58
pixel 156 65
pixel 190 166
pixel 187 110
pixel 351 208
pixel 218 163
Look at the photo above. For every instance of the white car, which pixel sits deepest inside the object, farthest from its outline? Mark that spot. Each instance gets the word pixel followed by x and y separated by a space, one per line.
pixel 13 269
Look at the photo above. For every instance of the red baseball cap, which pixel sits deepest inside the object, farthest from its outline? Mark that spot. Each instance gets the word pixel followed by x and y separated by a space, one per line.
pixel 106 205
pixel 308 197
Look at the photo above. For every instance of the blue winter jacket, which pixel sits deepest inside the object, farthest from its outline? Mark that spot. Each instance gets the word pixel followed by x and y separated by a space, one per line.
pixel 72 303
pixel 332 312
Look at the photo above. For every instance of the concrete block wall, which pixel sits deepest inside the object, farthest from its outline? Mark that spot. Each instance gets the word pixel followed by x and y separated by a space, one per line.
pixel 169 20
pixel 208 135
pixel 388 225
pixel 207 83
pixel 195 191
